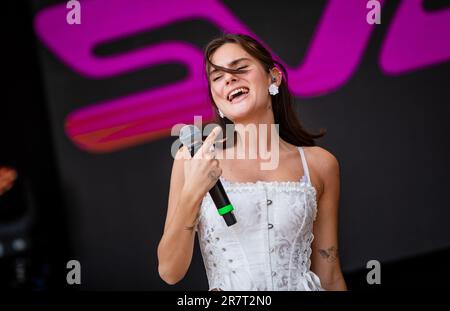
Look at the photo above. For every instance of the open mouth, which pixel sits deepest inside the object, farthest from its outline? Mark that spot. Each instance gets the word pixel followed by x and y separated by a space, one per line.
pixel 238 95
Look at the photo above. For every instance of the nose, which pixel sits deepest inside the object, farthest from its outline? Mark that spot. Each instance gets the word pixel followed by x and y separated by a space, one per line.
pixel 229 77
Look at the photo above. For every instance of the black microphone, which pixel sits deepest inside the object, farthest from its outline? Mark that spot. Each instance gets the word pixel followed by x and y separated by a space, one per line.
pixel 191 137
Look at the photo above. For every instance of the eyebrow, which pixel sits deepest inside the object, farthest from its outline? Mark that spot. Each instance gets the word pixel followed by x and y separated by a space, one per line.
pixel 231 64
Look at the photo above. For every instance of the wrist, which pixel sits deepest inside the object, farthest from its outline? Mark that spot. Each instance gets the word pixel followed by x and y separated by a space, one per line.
pixel 193 225
pixel 191 202
pixel 189 195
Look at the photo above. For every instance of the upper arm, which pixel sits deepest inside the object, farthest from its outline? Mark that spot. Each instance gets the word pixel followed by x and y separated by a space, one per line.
pixel 324 259
pixel 176 183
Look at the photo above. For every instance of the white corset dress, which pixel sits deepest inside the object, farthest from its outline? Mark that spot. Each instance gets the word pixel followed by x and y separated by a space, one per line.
pixel 269 247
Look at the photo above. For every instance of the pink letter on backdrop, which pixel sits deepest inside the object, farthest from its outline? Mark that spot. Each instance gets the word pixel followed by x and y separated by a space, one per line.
pixel 416 38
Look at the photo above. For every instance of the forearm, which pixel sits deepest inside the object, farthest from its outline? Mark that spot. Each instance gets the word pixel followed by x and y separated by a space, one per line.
pixel 176 246
pixel 336 284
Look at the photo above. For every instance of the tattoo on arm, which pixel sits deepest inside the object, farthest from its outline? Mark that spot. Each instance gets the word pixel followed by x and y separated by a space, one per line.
pixel 330 254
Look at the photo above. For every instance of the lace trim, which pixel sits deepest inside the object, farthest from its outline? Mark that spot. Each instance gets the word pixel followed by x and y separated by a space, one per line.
pixel 236 186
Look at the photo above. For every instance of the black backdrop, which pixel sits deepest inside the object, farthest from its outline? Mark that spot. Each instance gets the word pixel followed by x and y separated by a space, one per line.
pixel 388 133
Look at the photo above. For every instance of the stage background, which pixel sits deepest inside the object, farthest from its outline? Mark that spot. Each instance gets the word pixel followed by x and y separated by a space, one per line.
pixel 387 129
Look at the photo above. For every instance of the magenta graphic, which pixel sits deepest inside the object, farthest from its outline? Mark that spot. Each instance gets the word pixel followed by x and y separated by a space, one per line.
pixel 332 57
pixel 416 38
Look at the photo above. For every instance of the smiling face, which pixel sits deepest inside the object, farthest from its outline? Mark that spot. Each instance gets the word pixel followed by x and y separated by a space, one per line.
pixel 252 99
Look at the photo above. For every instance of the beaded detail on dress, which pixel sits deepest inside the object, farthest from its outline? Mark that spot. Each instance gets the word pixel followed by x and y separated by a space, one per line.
pixel 269 247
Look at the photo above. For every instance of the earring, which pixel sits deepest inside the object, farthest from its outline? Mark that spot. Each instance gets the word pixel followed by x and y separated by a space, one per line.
pixel 220 113
pixel 273 88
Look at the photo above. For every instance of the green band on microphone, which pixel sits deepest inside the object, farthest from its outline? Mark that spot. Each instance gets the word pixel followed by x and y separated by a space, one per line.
pixel 226 209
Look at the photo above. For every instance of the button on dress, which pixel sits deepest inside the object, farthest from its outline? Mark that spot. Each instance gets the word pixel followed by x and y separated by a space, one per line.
pixel 269 247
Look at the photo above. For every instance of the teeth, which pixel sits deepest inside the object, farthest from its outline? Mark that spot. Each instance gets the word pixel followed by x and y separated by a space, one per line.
pixel 243 90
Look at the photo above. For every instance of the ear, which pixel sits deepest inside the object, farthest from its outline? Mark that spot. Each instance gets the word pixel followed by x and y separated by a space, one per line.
pixel 275 73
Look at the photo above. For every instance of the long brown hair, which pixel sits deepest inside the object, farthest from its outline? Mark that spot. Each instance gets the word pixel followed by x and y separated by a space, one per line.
pixel 290 128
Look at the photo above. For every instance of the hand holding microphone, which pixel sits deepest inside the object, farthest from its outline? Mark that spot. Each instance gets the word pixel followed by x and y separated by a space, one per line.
pixel 202 172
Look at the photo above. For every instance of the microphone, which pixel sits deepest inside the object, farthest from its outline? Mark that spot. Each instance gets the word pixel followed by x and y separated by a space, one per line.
pixel 191 137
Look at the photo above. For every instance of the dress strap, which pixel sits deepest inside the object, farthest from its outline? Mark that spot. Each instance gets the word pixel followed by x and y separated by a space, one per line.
pixel 305 165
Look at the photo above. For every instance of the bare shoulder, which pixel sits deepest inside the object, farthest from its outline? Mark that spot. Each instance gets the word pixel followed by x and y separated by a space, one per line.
pixel 323 166
pixel 322 159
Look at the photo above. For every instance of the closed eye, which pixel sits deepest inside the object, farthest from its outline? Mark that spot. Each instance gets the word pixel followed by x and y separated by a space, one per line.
pixel 218 77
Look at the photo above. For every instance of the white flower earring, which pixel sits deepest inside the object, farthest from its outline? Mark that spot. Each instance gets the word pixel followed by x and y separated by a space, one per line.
pixel 273 88
pixel 220 113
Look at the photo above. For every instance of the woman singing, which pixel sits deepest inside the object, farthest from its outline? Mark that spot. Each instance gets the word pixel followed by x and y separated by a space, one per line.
pixel 286 235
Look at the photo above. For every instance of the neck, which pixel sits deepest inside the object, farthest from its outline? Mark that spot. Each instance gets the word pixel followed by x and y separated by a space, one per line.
pixel 257 136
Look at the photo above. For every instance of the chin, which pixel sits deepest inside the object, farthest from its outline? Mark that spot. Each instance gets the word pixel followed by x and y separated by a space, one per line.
pixel 241 110
pixel 239 113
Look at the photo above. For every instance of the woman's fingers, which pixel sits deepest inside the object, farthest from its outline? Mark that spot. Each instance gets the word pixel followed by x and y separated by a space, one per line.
pixel 182 153
pixel 215 173
pixel 204 150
